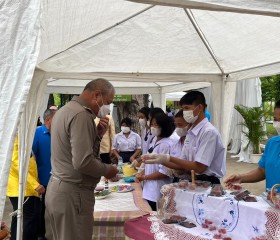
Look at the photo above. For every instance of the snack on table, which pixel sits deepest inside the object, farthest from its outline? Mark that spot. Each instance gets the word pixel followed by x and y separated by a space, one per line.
pixel 183 184
pixel 217 190
pixel 242 195
pixel 187 224
pixel 236 187
pixel 249 198
pixel 174 219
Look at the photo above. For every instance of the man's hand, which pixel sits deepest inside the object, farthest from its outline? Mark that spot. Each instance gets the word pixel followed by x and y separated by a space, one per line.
pixel 102 126
pixel 155 158
pixel 112 172
pixel 40 189
pixel 236 178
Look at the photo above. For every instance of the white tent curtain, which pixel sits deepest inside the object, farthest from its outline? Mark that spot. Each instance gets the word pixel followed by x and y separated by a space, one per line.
pixel 269 7
pixel 19 47
pixel 27 126
pixel 244 96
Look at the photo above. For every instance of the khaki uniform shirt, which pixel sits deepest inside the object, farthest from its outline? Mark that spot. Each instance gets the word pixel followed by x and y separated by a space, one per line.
pixel 107 139
pixel 75 145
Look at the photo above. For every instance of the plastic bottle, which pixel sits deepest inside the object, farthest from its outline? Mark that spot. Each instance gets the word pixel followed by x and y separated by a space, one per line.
pixel 120 164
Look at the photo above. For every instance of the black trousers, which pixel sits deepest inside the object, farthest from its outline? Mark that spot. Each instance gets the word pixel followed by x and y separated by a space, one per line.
pixel 30 218
pixel 211 179
pixel 105 157
pixel 42 209
pixel 153 205
pixel 126 156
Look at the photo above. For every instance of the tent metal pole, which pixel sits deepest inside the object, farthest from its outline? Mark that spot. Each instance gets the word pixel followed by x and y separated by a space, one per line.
pixel 104 30
pixel 251 68
pixel 203 38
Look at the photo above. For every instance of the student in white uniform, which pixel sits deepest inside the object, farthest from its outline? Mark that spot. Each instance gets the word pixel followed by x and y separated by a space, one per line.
pixel 156 175
pixel 203 149
pixel 143 116
pixel 126 144
pixel 181 130
pixel 147 138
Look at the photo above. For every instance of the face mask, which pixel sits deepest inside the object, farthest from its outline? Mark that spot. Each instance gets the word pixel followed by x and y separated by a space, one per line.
pixel 148 123
pixel 155 131
pixel 181 132
pixel 103 110
pixel 189 117
pixel 276 125
pixel 142 122
pixel 125 129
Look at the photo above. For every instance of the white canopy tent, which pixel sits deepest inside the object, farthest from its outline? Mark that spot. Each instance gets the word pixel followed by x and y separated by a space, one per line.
pixel 125 42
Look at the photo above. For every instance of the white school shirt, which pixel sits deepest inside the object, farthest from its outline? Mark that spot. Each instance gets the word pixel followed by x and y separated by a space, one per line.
pixel 204 144
pixel 151 189
pixel 121 143
pixel 146 139
pixel 176 148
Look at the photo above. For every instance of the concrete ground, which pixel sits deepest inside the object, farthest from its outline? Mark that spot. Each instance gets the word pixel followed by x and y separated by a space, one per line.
pixel 232 168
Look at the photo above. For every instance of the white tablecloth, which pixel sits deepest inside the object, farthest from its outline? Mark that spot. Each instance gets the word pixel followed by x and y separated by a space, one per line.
pixel 116 201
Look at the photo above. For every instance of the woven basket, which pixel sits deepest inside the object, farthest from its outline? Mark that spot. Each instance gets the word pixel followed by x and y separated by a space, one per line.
pixel 273 197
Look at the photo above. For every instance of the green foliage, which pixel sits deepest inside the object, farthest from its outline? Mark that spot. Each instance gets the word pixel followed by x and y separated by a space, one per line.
pixel 270 88
pixel 254 122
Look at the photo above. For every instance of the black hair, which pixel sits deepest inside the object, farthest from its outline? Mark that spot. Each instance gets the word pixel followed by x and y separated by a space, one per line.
pixel 145 111
pixel 193 98
pixel 165 124
pixel 154 111
pixel 179 114
pixel 277 104
pixel 127 121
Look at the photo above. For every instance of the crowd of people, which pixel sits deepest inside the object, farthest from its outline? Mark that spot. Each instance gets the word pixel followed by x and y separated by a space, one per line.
pixel 77 144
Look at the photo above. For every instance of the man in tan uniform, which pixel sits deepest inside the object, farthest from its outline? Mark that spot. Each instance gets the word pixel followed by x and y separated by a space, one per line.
pixel 76 165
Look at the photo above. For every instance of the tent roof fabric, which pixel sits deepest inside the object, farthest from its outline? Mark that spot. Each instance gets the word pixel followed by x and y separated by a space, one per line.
pixel 268 8
pixel 138 41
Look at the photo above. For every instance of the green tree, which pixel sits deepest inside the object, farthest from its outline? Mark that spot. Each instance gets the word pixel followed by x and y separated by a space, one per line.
pixel 270 88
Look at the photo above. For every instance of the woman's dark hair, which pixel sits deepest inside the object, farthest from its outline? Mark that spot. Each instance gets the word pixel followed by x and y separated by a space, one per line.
pixel 179 114
pixel 193 98
pixel 127 121
pixel 165 124
pixel 145 111
pixel 154 111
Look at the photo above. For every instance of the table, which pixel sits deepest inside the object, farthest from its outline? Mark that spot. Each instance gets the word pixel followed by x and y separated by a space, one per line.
pixel 241 220
pixel 111 213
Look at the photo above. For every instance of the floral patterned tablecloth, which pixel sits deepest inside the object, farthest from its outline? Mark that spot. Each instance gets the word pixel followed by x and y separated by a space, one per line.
pixel 238 220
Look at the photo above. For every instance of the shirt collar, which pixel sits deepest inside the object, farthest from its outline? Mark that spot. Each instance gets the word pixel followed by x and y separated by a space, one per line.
pixel 198 127
pixel 82 102
pixel 45 130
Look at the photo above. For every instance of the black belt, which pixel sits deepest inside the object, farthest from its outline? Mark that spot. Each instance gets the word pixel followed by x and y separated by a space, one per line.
pixel 80 185
pixel 128 152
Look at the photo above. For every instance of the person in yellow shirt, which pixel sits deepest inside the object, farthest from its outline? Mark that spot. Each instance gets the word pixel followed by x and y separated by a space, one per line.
pixel 106 143
pixel 32 201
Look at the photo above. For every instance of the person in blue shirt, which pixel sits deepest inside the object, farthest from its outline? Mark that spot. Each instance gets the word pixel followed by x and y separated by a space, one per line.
pixel 269 166
pixel 42 151
pixel 207 113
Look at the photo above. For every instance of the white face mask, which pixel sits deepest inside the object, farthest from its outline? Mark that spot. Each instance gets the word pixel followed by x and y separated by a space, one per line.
pixel 276 125
pixel 181 132
pixel 155 131
pixel 148 123
pixel 103 110
pixel 189 117
pixel 125 129
pixel 142 122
